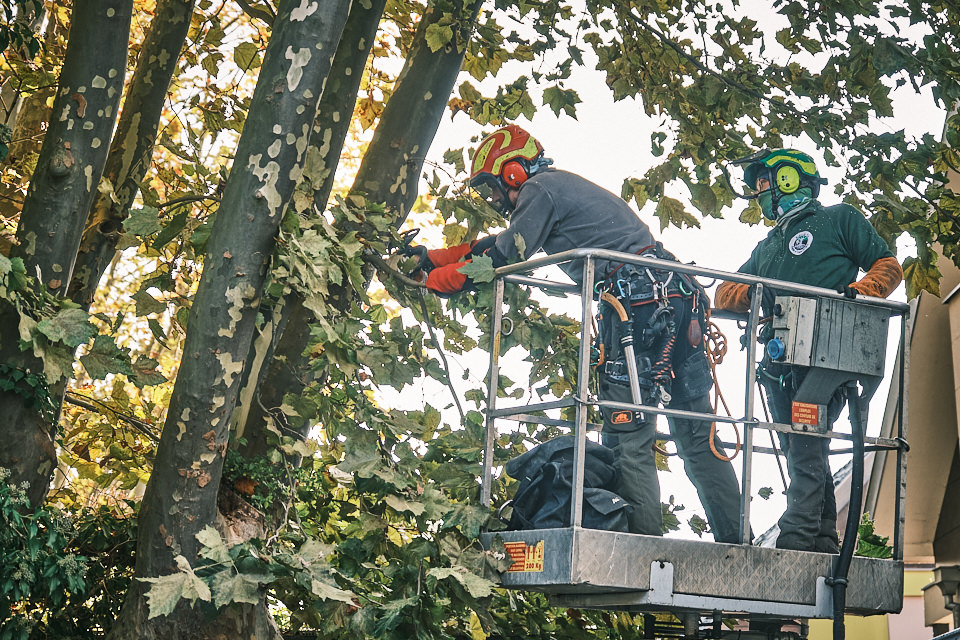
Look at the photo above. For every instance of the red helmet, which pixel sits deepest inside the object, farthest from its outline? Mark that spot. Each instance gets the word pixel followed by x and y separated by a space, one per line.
pixel 504 160
pixel 508 154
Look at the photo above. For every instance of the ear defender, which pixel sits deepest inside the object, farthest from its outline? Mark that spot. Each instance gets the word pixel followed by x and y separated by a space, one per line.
pixel 788 179
pixel 514 174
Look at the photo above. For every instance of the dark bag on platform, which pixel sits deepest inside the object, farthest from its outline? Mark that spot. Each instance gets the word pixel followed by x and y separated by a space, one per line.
pixel 542 500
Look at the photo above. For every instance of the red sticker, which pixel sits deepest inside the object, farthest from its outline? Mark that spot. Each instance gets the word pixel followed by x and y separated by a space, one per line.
pixel 621 417
pixel 806 413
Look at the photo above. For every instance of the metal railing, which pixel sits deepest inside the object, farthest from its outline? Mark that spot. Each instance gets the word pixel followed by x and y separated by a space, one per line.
pixel 581 399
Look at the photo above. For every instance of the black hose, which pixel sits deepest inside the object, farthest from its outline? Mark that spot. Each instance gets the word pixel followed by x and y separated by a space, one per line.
pixel 855 506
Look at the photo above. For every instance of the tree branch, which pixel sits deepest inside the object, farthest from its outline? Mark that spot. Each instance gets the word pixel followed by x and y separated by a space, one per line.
pixel 667 42
pixel 74 398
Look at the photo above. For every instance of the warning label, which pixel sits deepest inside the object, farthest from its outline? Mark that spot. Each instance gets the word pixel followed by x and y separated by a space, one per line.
pixel 526 558
pixel 806 413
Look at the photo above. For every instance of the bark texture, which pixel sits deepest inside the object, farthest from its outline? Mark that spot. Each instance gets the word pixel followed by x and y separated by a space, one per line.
pixel 268 378
pixel 75 148
pixel 64 183
pixel 132 148
pixel 391 167
pixel 389 173
pixel 181 496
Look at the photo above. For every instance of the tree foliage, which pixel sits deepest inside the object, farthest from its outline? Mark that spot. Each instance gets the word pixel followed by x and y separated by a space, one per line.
pixel 228 257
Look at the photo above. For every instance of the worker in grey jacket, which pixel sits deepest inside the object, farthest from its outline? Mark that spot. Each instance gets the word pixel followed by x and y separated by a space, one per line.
pixel 554 211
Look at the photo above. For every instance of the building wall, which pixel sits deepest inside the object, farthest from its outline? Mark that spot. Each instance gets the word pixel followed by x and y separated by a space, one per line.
pixel 906 625
pixel 946 542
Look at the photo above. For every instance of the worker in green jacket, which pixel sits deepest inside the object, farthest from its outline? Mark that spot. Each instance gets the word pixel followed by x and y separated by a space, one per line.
pixel 813 245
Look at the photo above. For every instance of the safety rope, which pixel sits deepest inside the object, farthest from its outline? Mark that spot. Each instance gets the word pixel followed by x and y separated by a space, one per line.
pixel 716 347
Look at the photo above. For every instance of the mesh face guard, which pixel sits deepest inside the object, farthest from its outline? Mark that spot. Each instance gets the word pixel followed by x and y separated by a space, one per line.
pixel 798 169
pixel 493 192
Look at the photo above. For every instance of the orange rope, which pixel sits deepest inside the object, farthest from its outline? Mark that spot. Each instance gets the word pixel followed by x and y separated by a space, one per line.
pixel 716 344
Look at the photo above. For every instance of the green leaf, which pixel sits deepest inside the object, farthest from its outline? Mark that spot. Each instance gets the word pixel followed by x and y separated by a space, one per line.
pixel 147 304
pixel 143 222
pixel 171 230
pixel 246 55
pixel 480 269
pixel 469 518
pixel 475 585
pixel 697 524
pixel 105 357
pixel 765 493
pixel 70 326
pixel 671 211
pixel 920 276
pixel 869 544
pixel 326 591
pixel 211 63
pixel 401 505
pixel 521 246
pixel 703 198
pixel 561 100
pixel 362 460
pixel 213 547
pixel 635 189
pixel 229 587
pixel 167 591
pixel 752 214
pixel 438 36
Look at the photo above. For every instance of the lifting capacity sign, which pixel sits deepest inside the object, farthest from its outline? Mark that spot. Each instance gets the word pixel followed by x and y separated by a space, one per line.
pixel 806 413
pixel 526 558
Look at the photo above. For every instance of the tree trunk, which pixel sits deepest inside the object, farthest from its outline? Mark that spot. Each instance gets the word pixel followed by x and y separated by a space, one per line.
pixel 75 148
pixel 390 170
pixel 389 173
pixel 132 149
pixel 280 375
pixel 181 496
pixel 63 186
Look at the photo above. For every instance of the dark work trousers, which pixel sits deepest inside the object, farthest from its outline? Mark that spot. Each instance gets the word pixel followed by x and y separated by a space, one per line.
pixel 810 520
pixel 632 436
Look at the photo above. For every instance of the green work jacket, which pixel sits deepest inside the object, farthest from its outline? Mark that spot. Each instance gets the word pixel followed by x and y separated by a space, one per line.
pixel 819 246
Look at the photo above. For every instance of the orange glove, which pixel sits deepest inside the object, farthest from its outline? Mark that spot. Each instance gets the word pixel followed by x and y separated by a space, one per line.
pixel 447 279
pixel 882 278
pixel 732 296
pixel 450 255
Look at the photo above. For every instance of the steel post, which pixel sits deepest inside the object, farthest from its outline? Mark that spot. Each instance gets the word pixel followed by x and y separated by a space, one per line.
pixel 583 396
pixel 900 506
pixel 493 382
pixel 749 419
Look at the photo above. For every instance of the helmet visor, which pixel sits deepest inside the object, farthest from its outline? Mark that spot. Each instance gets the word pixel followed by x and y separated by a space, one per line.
pixel 488 189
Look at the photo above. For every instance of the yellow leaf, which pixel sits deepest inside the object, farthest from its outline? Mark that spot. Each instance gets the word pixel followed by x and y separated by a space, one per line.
pixel 476 630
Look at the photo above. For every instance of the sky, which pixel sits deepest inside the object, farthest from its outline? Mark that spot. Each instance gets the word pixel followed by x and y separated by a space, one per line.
pixel 607 143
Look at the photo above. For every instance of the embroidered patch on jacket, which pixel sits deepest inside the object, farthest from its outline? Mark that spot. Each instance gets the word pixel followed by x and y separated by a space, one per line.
pixel 621 417
pixel 800 242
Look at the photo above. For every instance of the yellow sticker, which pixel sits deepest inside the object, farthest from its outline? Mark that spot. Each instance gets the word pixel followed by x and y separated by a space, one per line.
pixel 496 347
pixel 526 558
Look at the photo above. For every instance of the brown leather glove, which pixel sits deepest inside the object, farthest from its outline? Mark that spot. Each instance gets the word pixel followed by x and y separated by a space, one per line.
pixel 732 296
pixel 880 281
